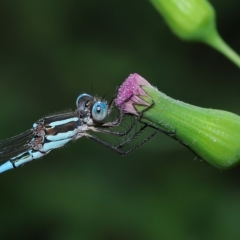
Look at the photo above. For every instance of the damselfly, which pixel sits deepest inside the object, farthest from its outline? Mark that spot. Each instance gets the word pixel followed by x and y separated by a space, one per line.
pixel 55 131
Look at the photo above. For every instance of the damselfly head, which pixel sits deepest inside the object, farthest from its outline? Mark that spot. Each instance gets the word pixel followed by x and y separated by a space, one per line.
pixel 96 107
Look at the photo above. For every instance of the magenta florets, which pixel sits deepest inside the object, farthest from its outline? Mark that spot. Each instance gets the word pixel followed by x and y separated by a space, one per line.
pixel 129 93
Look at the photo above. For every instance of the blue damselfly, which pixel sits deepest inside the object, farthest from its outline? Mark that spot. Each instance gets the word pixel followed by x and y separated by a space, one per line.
pixel 55 131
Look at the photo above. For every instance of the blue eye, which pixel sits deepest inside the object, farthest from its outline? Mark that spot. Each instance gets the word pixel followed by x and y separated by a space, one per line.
pixel 99 111
pixel 82 99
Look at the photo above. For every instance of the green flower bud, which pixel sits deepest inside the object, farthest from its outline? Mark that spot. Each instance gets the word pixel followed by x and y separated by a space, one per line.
pixel 214 135
pixel 188 19
pixel 194 20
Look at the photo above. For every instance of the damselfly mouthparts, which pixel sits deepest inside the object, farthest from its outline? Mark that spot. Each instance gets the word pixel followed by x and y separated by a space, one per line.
pixel 55 131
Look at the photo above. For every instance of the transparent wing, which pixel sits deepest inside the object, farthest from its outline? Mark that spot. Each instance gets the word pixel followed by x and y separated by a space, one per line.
pixel 13 146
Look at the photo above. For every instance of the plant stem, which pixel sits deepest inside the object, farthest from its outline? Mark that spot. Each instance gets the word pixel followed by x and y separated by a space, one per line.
pixel 216 41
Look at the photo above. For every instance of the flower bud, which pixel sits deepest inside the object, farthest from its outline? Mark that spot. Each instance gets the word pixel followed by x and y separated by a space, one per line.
pixel 194 20
pixel 189 19
pixel 214 135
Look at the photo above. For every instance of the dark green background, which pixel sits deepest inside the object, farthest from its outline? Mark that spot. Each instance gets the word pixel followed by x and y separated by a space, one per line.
pixel 51 51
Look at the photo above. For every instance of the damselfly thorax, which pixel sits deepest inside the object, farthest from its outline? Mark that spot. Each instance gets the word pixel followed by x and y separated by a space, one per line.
pixel 55 131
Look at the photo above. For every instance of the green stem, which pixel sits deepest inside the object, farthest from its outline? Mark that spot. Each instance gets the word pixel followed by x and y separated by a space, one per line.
pixel 215 41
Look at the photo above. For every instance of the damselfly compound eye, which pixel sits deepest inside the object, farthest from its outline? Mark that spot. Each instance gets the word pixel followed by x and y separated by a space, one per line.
pixel 99 111
pixel 82 100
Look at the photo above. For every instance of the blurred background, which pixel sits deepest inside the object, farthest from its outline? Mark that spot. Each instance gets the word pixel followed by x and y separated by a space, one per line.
pixel 51 51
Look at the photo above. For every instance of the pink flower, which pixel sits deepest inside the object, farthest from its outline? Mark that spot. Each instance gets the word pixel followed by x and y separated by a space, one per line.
pixel 130 92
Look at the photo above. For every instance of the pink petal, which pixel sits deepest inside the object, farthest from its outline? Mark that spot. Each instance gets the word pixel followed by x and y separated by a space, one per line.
pixel 129 91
